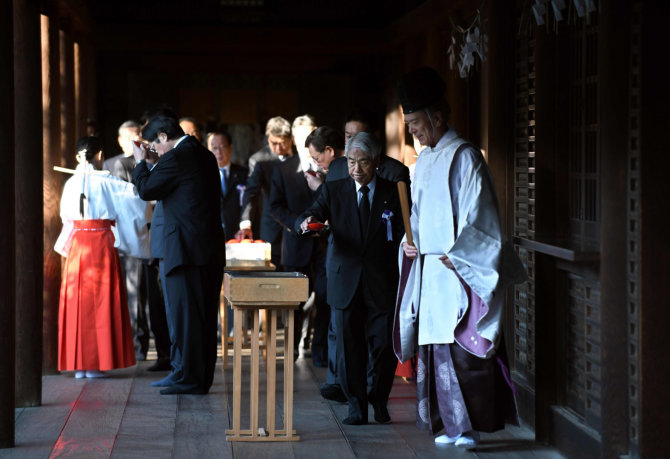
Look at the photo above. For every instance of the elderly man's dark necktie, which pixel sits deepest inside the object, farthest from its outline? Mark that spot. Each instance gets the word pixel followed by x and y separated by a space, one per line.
pixel 364 210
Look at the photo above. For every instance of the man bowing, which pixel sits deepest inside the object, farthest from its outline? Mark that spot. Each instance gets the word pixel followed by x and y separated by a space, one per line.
pixel 186 180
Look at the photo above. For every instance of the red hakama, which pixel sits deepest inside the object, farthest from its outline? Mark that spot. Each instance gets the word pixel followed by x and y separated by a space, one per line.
pixel 93 321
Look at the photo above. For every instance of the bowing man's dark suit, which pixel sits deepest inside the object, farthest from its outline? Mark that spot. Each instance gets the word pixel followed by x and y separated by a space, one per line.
pixel 164 319
pixel 289 197
pixel 186 180
pixel 362 286
pixel 231 207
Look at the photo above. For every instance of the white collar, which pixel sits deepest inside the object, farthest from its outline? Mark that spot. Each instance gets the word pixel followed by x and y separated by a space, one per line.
pixel 179 141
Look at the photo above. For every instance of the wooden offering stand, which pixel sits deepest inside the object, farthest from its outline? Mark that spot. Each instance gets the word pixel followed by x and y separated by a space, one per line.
pixel 242 266
pixel 253 291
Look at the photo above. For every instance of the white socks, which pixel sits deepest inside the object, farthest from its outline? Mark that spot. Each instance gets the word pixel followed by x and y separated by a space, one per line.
pixel 80 374
pixel 468 439
pixel 446 439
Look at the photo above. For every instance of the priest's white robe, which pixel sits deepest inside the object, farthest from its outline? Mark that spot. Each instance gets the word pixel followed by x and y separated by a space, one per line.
pixel 455 212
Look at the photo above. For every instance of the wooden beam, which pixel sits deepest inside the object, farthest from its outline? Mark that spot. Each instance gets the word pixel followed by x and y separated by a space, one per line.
pixel 52 189
pixel 7 276
pixel 613 43
pixel 28 201
pixel 67 99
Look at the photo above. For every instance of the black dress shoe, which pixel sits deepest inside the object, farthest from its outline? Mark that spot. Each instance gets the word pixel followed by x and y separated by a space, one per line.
pixel 381 414
pixel 183 389
pixel 333 392
pixel 354 421
pixel 160 365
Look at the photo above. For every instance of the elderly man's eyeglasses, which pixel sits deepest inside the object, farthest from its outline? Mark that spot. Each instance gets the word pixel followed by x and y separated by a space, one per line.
pixel 365 162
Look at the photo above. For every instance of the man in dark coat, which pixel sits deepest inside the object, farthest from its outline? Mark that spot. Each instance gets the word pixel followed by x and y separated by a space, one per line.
pixel 186 180
pixel 289 197
pixel 366 224
pixel 256 219
pixel 233 181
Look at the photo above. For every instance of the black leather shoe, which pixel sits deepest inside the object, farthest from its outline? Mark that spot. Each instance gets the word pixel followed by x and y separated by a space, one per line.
pixel 333 392
pixel 182 389
pixel 381 414
pixel 160 365
pixel 354 421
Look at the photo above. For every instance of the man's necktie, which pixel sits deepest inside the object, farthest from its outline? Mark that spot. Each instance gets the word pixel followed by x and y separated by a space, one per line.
pixel 364 210
pixel 223 181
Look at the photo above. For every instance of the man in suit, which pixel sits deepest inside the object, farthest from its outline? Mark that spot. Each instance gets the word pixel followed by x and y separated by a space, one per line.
pixel 187 182
pixel 128 131
pixel 122 166
pixel 389 168
pixel 290 196
pixel 233 181
pixel 366 224
pixel 256 219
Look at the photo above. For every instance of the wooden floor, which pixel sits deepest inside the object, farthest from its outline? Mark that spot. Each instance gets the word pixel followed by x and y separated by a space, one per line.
pixel 123 416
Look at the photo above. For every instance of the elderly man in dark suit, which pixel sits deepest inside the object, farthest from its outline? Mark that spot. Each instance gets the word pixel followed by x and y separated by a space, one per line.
pixel 187 182
pixel 233 181
pixel 366 224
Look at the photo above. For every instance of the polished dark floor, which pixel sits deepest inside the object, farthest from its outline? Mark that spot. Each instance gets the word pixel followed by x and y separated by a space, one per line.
pixel 123 416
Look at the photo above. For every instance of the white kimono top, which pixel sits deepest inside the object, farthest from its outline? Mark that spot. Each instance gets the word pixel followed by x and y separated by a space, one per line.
pixel 107 197
pixel 475 246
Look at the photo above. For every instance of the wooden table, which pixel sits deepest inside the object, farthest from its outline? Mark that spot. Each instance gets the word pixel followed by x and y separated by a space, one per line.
pixel 275 292
pixel 241 266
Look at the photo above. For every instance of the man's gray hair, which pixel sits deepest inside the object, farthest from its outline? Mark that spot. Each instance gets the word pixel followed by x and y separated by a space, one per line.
pixel 278 127
pixel 128 125
pixel 303 120
pixel 365 142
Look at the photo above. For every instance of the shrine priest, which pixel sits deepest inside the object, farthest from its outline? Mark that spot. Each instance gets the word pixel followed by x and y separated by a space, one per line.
pixel 463 266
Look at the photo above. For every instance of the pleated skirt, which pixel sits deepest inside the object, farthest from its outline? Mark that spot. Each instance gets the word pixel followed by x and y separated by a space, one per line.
pixel 93 322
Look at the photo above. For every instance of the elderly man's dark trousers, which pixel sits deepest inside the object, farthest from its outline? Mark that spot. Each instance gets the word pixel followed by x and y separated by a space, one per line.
pixel 364 332
pixel 193 295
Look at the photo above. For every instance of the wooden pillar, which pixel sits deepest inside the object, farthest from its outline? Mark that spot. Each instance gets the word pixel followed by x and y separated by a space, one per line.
pixel 7 279
pixel 91 84
pixel 52 189
pixel 67 101
pixel 28 201
pixel 80 89
pixel 654 398
pixel 614 19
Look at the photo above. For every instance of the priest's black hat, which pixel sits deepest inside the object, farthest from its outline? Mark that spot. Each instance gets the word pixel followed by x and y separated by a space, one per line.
pixel 419 89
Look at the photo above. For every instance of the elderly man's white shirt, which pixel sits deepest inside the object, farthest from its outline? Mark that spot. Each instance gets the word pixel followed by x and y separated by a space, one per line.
pixel 108 197
pixel 475 247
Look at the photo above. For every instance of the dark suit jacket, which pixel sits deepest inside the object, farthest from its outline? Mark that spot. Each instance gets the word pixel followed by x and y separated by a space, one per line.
pixel 289 197
pixel 186 180
pixel 123 167
pixel 389 168
pixel 376 258
pixel 231 210
pixel 257 196
pixel 108 164
pixel 156 231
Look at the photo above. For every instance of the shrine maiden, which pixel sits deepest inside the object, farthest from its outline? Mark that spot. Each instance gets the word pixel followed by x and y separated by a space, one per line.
pixel 101 215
